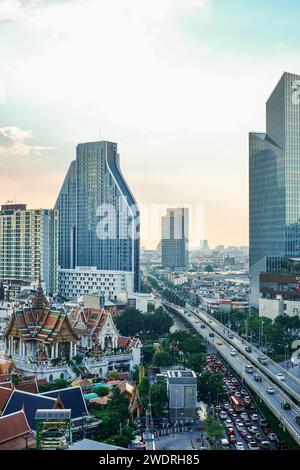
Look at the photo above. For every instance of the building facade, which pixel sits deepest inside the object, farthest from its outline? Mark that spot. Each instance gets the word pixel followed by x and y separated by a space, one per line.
pixel 74 283
pixel 182 392
pixel 98 215
pixel 274 186
pixel 29 245
pixel 175 238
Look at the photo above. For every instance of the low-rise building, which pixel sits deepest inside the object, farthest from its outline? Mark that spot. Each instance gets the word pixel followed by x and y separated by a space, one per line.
pixel 182 392
pixel 74 283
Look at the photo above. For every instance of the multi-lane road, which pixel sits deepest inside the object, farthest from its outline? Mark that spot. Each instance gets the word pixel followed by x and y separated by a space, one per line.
pixel 233 351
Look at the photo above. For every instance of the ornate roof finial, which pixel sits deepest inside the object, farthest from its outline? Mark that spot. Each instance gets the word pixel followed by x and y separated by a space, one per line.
pixel 39 300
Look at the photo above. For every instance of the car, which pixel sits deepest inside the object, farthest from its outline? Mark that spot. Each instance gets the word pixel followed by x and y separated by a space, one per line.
pixel 263 360
pixel 238 394
pixel 211 335
pixel 240 426
pixel 203 327
pixel 257 378
pixel 243 432
pixel 228 421
pixel 225 442
pixel 265 445
pixel 230 336
pixel 258 436
pixel 233 352
pixel 253 445
pixel 248 349
pixel 280 376
pixel 239 446
pixel 249 438
pixel 248 422
pixel 226 406
pixel 272 436
pixel 263 422
pixel 230 431
pixel 252 429
pixel 244 415
pixel 286 406
pixel 255 417
pixel 223 415
pixel 270 390
pixel 232 439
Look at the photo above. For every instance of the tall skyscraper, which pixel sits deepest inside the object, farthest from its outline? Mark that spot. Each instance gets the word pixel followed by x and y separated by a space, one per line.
pixel 274 187
pixel 29 245
pixel 175 238
pixel 98 215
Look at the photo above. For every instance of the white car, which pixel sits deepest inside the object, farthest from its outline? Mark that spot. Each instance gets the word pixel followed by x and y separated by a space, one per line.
pixel 239 446
pixel 280 376
pixel 223 415
pixel 253 445
pixel 244 416
pixel 232 352
pixel 254 417
pixel 228 421
pixel 270 391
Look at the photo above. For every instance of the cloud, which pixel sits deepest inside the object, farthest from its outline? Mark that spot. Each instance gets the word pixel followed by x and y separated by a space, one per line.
pixel 16 142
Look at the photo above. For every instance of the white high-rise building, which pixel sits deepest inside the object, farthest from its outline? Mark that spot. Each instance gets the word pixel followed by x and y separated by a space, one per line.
pixel 29 245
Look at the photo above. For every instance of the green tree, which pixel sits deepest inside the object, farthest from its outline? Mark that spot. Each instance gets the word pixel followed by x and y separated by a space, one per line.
pixel 55 385
pixel 130 322
pixel 196 362
pixel 158 397
pixel 215 432
pixel 210 386
pixel 162 359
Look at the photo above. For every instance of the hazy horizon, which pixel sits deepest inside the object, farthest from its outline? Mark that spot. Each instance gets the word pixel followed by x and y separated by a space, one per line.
pixel 178 84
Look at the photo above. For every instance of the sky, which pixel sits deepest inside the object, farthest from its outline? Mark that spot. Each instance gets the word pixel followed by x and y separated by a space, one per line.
pixel 178 84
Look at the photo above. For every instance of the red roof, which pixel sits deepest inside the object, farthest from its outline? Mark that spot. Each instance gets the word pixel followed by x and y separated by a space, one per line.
pixel 5 393
pixel 13 430
pixel 123 341
pixel 28 386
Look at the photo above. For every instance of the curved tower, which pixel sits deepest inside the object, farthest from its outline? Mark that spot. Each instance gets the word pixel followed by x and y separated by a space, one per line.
pixel 98 215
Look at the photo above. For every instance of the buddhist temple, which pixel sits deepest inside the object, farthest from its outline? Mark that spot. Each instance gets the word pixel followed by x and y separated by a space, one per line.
pixel 39 332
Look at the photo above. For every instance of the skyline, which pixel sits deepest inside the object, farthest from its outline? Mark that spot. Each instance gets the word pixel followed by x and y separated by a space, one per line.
pixel 168 112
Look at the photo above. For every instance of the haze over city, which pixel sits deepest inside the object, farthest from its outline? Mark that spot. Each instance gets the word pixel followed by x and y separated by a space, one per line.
pixel 177 83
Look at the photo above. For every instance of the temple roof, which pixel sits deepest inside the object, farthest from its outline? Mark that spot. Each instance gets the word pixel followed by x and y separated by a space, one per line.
pixel 14 429
pixel 71 398
pixel 89 320
pixel 29 402
pixel 39 321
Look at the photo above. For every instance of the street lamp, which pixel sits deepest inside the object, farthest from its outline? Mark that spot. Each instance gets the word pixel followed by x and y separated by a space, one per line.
pixel 286 354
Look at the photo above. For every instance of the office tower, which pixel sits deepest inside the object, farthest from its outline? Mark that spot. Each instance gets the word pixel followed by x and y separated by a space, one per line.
pixel 204 245
pixel 29 245
pixel 274 189
pixel 175 238
pixel 98 215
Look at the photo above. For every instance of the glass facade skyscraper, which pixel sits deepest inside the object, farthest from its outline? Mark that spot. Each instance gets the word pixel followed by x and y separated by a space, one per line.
pixel 98 215
pixel 175 238
pixel 274 175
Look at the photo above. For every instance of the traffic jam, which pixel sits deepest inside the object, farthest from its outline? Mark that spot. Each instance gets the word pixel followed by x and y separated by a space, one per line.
pixel 244 427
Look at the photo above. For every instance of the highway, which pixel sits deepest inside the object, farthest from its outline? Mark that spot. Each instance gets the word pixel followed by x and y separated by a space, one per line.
pixel 291 384
pixel 239 362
